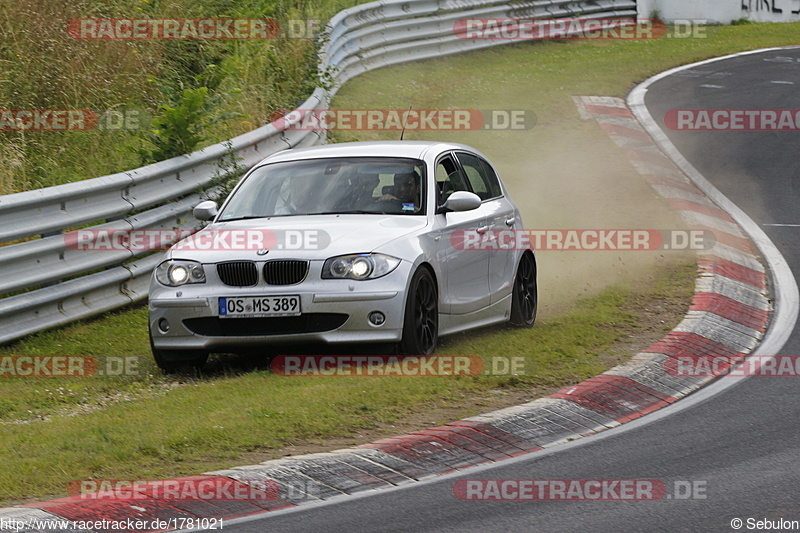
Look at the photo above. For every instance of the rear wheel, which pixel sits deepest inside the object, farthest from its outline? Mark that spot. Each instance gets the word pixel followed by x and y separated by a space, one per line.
pixel 421 322
pixel 525 295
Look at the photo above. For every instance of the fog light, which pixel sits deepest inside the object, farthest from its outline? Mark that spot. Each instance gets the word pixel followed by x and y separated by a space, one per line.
pixel 376 318
pixel 163 325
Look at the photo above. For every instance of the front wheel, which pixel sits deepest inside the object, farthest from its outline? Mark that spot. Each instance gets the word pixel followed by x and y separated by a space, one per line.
pixel 421 322
pixel 525 295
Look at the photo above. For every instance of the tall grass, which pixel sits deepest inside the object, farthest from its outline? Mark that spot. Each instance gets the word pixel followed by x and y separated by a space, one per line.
pixel 42 67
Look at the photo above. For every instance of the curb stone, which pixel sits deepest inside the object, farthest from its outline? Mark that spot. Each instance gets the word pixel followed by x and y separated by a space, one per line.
pixel 728 316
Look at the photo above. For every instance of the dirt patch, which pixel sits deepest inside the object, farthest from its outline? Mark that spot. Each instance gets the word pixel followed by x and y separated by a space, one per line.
pixel 656 315
pixel 566 174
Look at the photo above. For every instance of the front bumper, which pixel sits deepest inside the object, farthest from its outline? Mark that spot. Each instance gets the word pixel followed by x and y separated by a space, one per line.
pixel 333 311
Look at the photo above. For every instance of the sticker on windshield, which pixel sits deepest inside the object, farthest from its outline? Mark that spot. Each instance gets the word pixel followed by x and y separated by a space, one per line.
pixel 408 207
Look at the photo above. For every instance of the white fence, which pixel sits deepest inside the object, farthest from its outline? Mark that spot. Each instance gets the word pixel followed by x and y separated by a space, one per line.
pixel 62 284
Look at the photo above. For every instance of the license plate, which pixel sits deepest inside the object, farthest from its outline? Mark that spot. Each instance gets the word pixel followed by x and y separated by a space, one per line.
pixel 255 306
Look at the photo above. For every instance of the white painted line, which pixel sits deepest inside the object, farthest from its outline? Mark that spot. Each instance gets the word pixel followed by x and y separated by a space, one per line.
pixel 709 86
pixel 734 255
pixel 779 59
pixel 694 218
pixel 787 302
pixel 783 225
pixel 693 73
pixel 695 398
pixel 783 82
pixel 787 297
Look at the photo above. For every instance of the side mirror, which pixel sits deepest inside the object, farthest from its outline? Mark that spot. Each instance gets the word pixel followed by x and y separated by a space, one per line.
pixel 462 201
pixel 205 210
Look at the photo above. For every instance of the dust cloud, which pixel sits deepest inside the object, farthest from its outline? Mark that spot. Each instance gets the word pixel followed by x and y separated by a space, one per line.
pixel 581 180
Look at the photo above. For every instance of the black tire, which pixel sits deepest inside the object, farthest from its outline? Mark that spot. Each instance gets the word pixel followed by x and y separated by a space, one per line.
pixel 421 321
pixel 172 361
pixel 525 294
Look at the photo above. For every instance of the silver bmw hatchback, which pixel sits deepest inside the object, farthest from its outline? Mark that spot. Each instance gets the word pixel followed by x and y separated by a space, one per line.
pixel 364 242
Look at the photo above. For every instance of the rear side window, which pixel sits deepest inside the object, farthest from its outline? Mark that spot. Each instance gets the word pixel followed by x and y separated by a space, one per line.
pixel 480 175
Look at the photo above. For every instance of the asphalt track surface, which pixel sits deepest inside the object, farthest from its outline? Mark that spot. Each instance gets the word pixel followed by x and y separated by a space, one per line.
pixel 738 450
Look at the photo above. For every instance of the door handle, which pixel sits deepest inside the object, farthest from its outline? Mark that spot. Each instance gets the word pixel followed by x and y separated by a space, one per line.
pixel 482 229
pixel 511 221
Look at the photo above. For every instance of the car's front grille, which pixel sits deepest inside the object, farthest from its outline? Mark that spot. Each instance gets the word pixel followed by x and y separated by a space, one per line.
pixel 285 271
pixel 238 273
pixel 212 326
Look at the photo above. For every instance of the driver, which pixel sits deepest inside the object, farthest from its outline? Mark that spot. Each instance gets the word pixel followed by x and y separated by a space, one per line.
pixel 406 190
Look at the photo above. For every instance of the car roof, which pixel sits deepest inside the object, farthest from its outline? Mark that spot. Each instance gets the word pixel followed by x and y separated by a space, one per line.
pixel 410 149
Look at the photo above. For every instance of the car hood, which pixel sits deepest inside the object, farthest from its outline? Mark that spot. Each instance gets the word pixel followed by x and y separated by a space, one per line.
pixel 306 237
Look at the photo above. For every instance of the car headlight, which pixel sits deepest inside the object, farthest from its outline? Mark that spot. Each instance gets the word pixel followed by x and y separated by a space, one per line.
pixel 176 273
pixel 359 266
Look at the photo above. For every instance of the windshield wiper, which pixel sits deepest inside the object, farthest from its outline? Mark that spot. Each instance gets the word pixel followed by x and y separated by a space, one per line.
pixel 246 217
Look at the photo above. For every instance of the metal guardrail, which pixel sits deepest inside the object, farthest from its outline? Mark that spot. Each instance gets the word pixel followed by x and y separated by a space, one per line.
pixel 63 284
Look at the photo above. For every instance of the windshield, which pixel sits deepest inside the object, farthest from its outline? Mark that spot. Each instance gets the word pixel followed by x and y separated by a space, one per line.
pixel 331 186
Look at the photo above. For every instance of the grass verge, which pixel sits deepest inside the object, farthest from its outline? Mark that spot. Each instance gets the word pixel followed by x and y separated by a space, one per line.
pixel 125 82
pixel 565 172
pixel 150 426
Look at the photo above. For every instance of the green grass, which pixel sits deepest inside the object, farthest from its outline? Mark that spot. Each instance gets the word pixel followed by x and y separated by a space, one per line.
pixel 566 172
pixel 150 426
pixel 42 67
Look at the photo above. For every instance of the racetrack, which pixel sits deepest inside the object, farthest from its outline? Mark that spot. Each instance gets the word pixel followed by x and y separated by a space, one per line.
pixel 562 154
pixel 555 180
pixel 736 451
